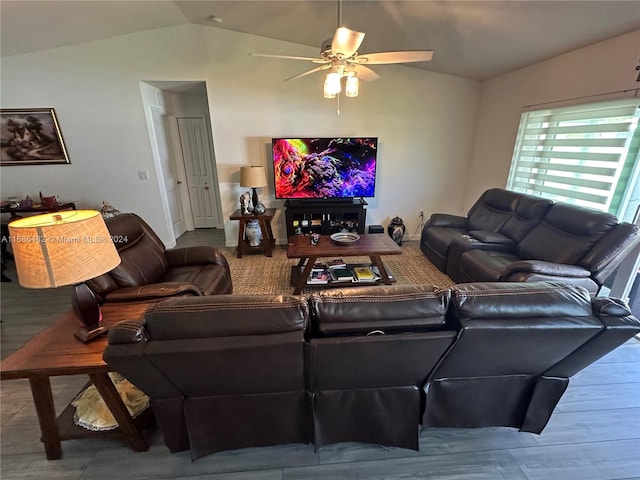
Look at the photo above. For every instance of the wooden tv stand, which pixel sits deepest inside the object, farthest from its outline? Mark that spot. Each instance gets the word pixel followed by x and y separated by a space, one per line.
pixel 325 217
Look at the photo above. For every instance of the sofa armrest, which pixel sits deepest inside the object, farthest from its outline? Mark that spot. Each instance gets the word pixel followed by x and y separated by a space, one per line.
pixel 198 255
pixel 153 291
pixel 619 326
pixel 545 268
pixel 492 238
pixel 610 250
pixel 128 331
pixel 446 220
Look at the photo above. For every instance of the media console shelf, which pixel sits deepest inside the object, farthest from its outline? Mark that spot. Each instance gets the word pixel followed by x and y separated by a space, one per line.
pixel 325 217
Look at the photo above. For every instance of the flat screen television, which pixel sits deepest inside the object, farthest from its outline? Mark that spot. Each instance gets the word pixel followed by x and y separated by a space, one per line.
pixel 329 168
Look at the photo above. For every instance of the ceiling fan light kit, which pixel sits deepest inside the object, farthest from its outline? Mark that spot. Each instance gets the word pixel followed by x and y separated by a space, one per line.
pixel 332 85
pixel 352 85
pixel 340 55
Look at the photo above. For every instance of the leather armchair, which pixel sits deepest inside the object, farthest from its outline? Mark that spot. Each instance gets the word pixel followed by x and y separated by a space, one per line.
pixel 148 271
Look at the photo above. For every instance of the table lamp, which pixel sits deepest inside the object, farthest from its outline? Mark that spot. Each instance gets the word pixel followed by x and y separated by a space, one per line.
pixel 65 248
pixel 253 177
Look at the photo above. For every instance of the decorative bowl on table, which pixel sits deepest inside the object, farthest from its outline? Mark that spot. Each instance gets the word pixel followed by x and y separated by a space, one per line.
pixel 345 238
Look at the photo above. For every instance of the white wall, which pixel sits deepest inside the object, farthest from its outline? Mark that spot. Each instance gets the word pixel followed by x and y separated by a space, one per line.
pixel 600 68
pixel 424 121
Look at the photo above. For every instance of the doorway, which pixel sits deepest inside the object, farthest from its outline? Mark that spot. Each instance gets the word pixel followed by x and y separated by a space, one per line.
pixel 198 165
pixel 170 179
pixel 187 175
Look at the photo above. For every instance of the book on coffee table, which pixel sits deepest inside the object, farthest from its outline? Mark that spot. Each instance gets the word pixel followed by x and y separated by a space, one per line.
pixel 336 263
pixel 364 274
pixel 318 267
pixel 318 278
pixel 341 275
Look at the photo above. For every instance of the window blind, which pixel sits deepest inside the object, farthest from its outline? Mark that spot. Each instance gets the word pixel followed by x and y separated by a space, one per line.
pixel 578 154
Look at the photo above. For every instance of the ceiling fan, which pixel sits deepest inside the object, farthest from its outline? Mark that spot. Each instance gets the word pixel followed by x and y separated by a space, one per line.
pixel 339 55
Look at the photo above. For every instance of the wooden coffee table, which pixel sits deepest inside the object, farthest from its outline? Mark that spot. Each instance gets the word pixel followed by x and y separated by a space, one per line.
pixel 370 245
pixel 54 352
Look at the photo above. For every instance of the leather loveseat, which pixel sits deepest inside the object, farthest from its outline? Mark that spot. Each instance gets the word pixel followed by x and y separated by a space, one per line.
pixel 368 364
pixel 509 236
pixel 148 271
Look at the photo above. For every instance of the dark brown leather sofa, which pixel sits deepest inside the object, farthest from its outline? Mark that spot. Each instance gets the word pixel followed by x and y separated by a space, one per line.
pixel 508 236
pixel 149 272
pixel 368 364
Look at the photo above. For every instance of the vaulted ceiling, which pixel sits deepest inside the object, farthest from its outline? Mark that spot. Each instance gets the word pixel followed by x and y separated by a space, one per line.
pixel 472 39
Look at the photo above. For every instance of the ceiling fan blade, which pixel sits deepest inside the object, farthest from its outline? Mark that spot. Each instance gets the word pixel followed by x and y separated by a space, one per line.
pixel 365 73
pixel 289 57
pixel 308 72
pixel 346 42
pixel 395 57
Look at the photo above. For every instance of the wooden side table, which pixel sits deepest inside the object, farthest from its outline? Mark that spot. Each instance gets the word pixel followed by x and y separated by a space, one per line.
pixel 268 242
pixel 56 352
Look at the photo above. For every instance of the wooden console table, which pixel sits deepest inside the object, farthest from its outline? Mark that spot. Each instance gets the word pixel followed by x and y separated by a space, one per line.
pixel 268 242
pixel 55 352
pixel 15 211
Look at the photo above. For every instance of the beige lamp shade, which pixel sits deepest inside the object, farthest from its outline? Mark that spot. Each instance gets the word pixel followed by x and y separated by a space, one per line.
pixel 253 176
pixel 61 248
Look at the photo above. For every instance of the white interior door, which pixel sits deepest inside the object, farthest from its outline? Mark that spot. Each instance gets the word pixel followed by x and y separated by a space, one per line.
pixel 199 170
pixel 170 180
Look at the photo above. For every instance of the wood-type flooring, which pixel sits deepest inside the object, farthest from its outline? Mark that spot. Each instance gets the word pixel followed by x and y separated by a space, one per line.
pixel 594 434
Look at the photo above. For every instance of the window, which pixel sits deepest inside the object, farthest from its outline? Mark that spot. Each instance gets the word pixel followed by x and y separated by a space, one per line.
pixel 582 154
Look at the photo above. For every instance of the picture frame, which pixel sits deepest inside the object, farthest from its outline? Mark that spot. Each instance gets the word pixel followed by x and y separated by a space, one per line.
pixel 31 136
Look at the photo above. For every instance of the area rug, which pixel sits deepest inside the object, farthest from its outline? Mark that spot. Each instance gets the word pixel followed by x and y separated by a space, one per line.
pixel 259 274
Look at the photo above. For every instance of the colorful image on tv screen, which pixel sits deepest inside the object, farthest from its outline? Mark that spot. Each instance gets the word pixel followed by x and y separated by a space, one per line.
pixel 324 167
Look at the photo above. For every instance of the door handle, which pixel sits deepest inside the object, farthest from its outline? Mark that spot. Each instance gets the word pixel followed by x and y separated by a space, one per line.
pixel 179 182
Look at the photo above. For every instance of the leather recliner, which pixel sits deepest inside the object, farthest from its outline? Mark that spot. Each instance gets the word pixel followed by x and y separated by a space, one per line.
pixel 222 372
pixel 370 352
pixel 148 271
pixel 517 346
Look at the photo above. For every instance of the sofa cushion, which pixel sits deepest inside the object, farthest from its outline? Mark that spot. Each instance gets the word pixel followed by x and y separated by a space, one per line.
pixel 361 310
pixel 226 316
pixel 439 238
pixel 492 210
pixel 484 265
pixel 528 213
pixel 515 300
pixel 566 234
pixel 205 277
pixel 493 238
pixel 141 252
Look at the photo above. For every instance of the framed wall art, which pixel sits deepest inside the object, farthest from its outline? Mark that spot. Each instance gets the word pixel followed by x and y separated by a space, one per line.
pixel 30 136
